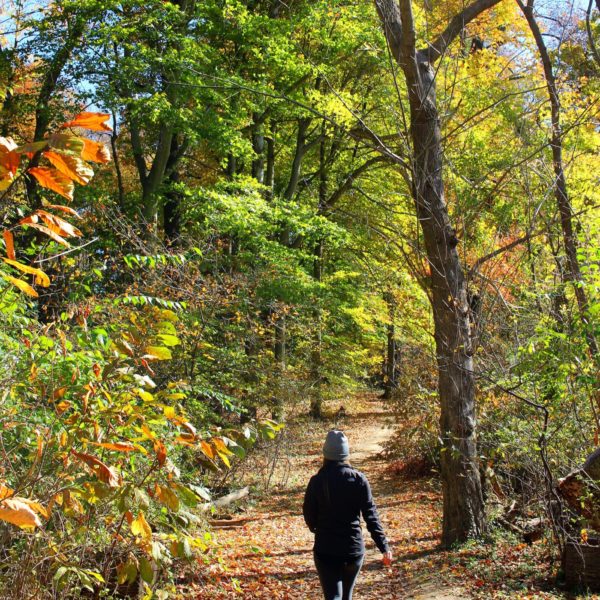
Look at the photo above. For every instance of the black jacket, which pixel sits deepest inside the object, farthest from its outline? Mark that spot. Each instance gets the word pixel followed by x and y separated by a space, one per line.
pixel 334 500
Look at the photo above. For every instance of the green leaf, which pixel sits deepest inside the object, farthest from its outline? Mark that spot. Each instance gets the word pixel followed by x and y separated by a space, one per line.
pixel 146 570
pixel 168 339
pixel 60 572
pixel 187 496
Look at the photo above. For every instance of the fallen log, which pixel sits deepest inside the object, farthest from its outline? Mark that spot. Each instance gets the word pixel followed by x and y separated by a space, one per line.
pixel 230 523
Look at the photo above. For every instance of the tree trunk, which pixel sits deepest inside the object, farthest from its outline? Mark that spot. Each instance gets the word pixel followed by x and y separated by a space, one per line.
pixel 172 210
pixel 173 196
pixel 463 500
pixel 117 162
pixel 301 148
pixel 316 358
pixel 270 170
pixel 464 515
pixel 316 408
pixel 390 374
pixel 258 145
pixel 279 352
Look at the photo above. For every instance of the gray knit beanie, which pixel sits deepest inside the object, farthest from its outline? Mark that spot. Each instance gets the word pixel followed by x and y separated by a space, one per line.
pixel 336 446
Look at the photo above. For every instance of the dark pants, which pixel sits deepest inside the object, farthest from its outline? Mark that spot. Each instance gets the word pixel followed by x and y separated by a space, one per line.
pixel 337 575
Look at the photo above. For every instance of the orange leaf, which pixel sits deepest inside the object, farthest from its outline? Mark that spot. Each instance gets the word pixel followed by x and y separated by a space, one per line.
pixel 5 492
pixel 221 446
pixel 167 497
pixel 16 511
pixel 104 473
pixel 207 449
pixel 117 446
pixel 186 439
pixel 95 152
pixel 9 163
pixel 65 209
pixel 9 242
pixel 22 285
pixel 70 166
pixel 53 180
pixel 58 225
pixel 36 506
pixel 47 231
pixel 32 221
pixel 90 120
pixel 161 452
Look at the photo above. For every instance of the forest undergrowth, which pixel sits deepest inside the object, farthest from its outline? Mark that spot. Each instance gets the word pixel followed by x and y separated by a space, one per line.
pixel 265 549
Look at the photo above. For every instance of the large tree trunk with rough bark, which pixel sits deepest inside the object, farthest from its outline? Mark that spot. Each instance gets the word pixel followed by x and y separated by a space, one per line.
pixel 463 500
pixel 464 514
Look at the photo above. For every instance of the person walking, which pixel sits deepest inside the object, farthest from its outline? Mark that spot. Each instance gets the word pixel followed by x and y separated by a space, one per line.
pixel 334 500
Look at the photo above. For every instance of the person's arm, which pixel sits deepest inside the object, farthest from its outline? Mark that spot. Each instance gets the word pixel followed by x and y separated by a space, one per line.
pixel 309 508
pixel 369 513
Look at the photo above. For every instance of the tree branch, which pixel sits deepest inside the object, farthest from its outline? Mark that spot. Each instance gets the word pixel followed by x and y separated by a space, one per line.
pixel 458 23
pixel 350 177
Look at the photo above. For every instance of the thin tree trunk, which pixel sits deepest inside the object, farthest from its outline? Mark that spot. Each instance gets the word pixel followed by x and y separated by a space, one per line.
pixel 316 408
pixel 279 351
pixel 173 196
pixel 258 145
pixel 117 162
pixel 573 273
pixel 301 148
pixel 270 169
pixel 390 380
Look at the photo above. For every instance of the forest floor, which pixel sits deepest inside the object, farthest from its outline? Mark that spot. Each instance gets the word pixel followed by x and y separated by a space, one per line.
pixel 266 551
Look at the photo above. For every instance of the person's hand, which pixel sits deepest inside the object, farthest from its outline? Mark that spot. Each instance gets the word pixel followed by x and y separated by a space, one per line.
pixel 387 558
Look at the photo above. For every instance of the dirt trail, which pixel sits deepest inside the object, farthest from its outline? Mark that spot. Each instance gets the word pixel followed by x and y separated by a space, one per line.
pixel 270 556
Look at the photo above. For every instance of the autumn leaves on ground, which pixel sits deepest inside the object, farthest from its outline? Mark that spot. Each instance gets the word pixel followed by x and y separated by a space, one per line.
pixel 265 551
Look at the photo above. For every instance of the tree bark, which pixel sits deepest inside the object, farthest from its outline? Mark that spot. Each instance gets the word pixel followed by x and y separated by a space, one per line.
pixel 464 514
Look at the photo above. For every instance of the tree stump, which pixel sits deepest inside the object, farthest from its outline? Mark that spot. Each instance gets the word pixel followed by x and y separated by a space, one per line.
pixel 581 564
